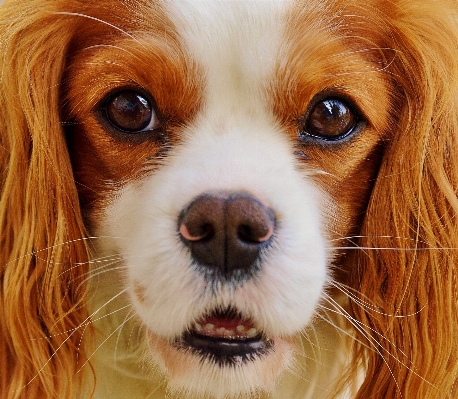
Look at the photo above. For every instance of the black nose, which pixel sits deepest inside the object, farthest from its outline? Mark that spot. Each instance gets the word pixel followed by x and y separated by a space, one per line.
pixel 226 232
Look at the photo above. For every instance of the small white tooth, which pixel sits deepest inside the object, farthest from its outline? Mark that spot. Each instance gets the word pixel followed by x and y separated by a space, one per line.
pixel 221 331
pixel 198 327
pixel 209 327
pixel 230 333
pixel 240 328
pixel 252 332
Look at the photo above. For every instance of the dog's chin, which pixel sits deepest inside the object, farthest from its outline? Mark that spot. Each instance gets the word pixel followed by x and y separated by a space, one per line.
pixel 222 356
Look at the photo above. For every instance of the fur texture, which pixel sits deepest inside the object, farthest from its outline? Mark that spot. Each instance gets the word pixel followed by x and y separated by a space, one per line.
pixel 353 294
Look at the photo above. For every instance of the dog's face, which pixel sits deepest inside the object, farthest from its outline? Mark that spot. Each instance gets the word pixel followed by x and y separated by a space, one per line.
pixel 257 195
pixel 223 151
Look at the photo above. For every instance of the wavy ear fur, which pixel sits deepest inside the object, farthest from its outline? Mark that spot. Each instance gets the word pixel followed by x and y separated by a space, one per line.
pixel 410 322
pixel 43 255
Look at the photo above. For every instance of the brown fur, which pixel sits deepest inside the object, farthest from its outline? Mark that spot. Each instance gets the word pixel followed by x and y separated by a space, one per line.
pixel 408 328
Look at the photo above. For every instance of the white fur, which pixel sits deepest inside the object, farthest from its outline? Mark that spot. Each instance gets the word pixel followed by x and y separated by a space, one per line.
pixel 233 145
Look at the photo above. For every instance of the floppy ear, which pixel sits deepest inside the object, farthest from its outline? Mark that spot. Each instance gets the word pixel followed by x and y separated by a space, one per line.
pixel 410 317
pixel 43 255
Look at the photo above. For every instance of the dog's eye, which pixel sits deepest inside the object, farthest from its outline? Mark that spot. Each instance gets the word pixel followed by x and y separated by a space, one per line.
pixel 131 112
pixel 330 119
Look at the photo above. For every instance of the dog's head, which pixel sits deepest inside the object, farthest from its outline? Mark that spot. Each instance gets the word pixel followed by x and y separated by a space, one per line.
pixel 233 173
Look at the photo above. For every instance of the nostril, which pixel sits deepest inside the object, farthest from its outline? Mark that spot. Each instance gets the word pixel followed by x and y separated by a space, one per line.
pixel 244 233
pixel 202 220
pixel 198 233
pixel 249 221
pixel 255 234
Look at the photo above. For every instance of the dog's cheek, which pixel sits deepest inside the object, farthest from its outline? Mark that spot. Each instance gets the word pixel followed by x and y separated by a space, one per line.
pixel 156 269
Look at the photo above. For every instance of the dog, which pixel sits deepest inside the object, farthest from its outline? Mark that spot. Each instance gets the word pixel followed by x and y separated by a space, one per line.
pixel 228 199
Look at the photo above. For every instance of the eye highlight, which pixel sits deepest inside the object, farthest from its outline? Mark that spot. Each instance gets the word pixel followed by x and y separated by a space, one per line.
pixel 131 112
pixel 330 119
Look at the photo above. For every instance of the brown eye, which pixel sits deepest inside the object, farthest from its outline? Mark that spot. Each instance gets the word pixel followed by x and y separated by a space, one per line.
pixel 331 119
pixel 130 111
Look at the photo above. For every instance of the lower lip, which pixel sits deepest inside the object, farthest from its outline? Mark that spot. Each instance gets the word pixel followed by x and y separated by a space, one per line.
pixel 226 350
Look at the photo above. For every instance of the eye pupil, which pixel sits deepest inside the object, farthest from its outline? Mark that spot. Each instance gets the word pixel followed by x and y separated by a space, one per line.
pixel 331 119
pixel 129 111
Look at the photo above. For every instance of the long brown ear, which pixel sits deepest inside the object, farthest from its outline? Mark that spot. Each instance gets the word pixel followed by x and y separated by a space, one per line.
pixel 411 320
pixel 42 252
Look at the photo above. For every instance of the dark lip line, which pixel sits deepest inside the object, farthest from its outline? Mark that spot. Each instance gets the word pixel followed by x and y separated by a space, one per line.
pixel 224 351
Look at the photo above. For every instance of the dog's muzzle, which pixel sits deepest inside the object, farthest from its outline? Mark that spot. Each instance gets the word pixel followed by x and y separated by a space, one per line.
pixel 225 234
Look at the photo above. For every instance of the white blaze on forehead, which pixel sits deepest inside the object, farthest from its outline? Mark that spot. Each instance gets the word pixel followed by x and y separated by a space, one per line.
pixel 235 42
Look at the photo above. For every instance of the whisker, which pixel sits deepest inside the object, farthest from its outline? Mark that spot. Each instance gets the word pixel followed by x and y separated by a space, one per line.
pixel 300 371
pixel 128 317
pixel 340 310
pixel 35 252
pixel 97 46
pixel 98 260
pixel 398 249
pixel 132 330
pixel 358 325
pixel 303 355
pixel 76 14
pixel 386 248
pixel 370 339
pixel 85 321
pixel 84 324
pixel 374 236
pixel 103 342
pixel 94 321
pixel 367 305
pixel 340 329
pixel 99 271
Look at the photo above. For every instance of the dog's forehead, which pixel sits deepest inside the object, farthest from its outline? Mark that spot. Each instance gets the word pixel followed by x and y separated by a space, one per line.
pixel 225 26
pixel 237 40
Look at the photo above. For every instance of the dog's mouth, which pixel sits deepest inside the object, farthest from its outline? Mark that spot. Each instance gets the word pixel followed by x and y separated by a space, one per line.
pixel 226 338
